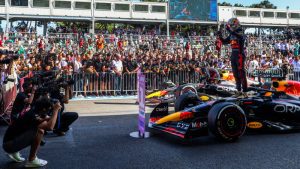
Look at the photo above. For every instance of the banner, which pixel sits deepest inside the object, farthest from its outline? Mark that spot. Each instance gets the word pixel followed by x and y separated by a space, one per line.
pixel 141 98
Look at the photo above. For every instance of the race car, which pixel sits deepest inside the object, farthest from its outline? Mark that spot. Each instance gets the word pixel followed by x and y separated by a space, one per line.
pixel 220 84
pixel 228 118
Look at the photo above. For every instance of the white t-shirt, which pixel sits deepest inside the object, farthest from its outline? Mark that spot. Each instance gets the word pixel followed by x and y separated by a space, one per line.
pixel 296 65
pixel 77 66
pixel 253 65
pixel 118 65
pixel 277 45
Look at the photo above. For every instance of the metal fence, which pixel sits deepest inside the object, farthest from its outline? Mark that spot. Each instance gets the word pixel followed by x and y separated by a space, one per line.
pixel 126 84
pixel 105 84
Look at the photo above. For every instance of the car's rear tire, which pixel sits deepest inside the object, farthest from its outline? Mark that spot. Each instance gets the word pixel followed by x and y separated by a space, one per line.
pixel 186 100
pixel 227 121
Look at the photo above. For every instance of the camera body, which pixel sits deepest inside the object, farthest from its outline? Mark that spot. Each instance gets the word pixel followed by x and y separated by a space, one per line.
pixel 49 84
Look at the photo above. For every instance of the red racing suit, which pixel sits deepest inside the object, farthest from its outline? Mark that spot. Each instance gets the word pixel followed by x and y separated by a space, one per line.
pixel 237 41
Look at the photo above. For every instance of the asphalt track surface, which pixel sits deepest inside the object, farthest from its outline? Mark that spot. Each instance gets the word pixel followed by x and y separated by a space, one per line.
pixel 102 141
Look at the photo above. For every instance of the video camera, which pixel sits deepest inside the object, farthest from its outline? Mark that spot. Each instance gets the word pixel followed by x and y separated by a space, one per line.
pixel 50 83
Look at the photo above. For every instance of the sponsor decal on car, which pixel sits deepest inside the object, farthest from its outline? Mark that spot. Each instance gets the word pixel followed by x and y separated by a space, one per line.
pixel 254 125
pixel 225 89
pixel 199 124
pixel 182 125
pixel 161 109
pixel 281 108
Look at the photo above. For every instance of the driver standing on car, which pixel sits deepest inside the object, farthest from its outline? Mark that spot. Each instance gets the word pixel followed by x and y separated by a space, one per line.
pixel 237 41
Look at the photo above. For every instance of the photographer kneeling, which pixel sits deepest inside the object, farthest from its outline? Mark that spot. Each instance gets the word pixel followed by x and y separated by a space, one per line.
pixel 28 130
pixel 23 101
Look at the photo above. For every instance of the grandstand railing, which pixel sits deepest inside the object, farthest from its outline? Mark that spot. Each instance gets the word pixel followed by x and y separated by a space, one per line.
pixel 63 36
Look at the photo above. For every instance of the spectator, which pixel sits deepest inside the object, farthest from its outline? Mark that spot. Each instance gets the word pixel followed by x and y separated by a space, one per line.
pixel 253 64
pixel 118 69
pixel 78 74
pixel 296 68
pixel 296 48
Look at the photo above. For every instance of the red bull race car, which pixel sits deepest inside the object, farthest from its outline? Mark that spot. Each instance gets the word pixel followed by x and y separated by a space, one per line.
pixel 222 84
pixel 228 118
pixel 215 83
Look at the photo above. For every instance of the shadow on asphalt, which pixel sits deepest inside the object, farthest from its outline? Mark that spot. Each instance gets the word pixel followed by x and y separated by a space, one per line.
pixel 13 165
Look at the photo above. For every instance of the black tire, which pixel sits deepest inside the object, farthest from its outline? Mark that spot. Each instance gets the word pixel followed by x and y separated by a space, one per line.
pixel 227 121
pixel 186 100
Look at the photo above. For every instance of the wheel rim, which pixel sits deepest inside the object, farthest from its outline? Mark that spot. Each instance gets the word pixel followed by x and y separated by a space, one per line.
pixel 232 122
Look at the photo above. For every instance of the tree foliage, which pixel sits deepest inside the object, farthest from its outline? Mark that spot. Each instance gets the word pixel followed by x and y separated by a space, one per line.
pixel 224 4
pixel 264 4
pixel 238 5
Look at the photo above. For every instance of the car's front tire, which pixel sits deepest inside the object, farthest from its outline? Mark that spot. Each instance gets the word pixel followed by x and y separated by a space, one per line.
pixel 227 121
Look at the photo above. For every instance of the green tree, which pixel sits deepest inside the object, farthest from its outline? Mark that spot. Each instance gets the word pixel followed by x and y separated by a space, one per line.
pixel 224 4
pixel 264 4
pixel 238 5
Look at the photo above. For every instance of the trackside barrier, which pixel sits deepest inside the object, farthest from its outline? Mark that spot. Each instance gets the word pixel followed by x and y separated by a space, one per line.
pixel 105 84
pixel 97 84
pixel 113 84
pixel 293 74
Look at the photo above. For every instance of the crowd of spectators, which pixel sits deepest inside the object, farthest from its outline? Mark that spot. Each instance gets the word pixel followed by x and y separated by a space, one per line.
pixel 127 51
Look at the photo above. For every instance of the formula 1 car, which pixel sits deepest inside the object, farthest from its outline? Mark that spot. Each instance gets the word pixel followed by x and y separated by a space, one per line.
pixel 220 84
pixel 228 118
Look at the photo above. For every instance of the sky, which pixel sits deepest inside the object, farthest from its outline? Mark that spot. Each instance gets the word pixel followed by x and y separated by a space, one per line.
pixel 281 4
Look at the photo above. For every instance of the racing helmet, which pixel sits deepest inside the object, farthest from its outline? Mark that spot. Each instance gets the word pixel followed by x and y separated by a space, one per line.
pixel 234 23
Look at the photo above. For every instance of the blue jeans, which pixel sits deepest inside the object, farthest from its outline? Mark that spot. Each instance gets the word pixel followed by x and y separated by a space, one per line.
pixel 117 84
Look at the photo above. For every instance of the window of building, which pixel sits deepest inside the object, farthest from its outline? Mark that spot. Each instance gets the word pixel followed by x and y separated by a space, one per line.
pixel 122 7
pixel 82 5
pixel 295 15
pixel 254 13
pixel 281 14
pixel 141 8
pixel 269 14
pixel 241 13
pixel 19 2
pixel 158 8
pixel 2 2
pixel 103 6
pixel 62 4
pixel 40 3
